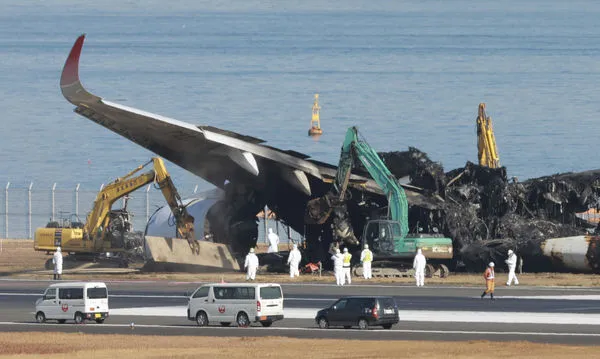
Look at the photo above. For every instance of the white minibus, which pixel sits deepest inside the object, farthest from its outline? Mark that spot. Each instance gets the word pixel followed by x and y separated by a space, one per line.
pixel 78 301
pixel 242 303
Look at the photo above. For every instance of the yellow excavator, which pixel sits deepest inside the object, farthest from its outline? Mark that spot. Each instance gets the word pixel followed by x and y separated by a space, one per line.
pixel 104 228
pixel 486 141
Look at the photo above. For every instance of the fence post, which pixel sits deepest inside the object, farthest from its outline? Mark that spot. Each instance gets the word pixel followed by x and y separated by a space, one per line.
pixel 147 203
pixel 53 190
pixel 29 207
pixel 77 201
pixel 6 211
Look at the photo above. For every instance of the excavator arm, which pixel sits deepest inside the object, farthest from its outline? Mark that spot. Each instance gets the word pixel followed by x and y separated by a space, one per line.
pixel 98 219
pixel 397 202
pixel 184 221
pixel 486 141
pixel 320 209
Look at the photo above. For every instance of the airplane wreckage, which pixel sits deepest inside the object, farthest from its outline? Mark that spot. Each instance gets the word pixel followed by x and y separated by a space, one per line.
pixel 482 211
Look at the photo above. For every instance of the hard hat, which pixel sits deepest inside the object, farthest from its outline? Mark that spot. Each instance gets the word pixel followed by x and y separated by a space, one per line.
pixel 345 250
pixel 58 249
pixel 251 250
pixel 270 230
pixel 366 246
pixel 510 252
pixel 295 246
pixel 491 264
pixel 419 251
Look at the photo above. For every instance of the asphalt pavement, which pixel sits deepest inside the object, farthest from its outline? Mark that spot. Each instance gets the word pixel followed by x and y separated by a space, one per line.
pixel 426 313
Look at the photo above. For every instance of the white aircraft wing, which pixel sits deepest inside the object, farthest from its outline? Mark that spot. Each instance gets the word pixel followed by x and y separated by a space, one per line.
pixel 214 154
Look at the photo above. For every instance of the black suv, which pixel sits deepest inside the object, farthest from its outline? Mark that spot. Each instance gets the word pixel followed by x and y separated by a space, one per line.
pixel 360 311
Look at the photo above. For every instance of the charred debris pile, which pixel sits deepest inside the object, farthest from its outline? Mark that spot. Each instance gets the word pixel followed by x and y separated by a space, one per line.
pixel 486 213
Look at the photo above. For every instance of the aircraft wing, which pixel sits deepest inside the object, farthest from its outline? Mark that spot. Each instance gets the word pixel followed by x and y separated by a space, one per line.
pixel 214 154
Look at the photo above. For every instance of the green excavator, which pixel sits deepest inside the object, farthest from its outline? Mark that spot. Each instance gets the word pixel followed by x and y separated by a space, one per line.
pixel 393 247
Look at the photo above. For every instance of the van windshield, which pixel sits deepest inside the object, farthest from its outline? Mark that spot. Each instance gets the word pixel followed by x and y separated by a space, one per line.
pixel 270 292
pixel 97 293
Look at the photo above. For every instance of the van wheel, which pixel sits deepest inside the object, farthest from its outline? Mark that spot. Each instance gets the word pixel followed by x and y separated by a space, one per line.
pixel 40 317
pixel 201 319
pixel 225 324
pixel 387 326
pixel 100 321
pixel 78 318
pixel 323 323
pixel 266 323
pixel 363 324
pixel 61 321
pixel 242 320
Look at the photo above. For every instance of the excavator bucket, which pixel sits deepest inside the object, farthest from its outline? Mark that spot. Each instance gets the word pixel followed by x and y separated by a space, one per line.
pixel 165 254
pixel 318 210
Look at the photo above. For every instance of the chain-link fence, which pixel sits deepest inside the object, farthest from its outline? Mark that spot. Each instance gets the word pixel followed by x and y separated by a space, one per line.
pixel 26 208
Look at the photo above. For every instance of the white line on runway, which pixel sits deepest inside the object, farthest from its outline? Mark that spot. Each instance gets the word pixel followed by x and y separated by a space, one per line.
pixel 309 284
pixel 577 308
pixel 406 315
pixel 538 297
pixel 552 297
pixel 409 331
pixel 165 296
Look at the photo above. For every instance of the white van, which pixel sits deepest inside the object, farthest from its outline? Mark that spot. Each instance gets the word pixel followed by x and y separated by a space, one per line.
pixel 242 303
pixel 76 300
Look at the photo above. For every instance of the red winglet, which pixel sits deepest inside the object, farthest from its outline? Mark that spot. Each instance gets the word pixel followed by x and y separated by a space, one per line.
pixel 70 73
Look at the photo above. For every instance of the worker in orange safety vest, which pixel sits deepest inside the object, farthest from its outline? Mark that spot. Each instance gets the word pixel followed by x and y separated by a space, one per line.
pixel 489 281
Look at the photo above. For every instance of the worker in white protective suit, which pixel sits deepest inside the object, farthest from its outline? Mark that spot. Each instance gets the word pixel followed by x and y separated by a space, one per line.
pixel 273 241
pixel 294 261
pixel 366 257
pixel 511 262
pixel 347 257
pixel 419 266
pixel 251 265
pixel 57 260
pixel 338 267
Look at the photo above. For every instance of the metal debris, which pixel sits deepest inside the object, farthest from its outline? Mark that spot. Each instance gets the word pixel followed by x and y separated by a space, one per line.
pixel 486 214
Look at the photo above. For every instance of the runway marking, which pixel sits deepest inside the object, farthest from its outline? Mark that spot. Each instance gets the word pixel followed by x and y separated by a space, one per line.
pixel 525 297
pixel 164 296
pixel 407 331
pixel 577 308
pixel 181 311
pixel 309 284
pixel 552 297
pixel 406 315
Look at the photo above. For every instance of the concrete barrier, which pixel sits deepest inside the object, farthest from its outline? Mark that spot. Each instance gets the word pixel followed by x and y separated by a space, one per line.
pixel 164 254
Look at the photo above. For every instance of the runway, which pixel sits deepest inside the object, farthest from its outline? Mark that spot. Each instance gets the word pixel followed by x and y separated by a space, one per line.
pixel 551 315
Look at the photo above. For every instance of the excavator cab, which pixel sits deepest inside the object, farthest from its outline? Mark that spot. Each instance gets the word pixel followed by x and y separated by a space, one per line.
pixel 380 235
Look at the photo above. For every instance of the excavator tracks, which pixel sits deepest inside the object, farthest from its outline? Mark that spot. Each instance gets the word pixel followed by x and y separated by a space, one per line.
pixel 437 270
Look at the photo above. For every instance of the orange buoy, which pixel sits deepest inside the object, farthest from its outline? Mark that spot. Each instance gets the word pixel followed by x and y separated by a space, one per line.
pixel 315 122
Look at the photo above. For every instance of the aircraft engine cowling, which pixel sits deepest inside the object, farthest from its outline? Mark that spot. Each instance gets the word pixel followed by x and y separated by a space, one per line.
pixel 215 220
pixel 162 223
